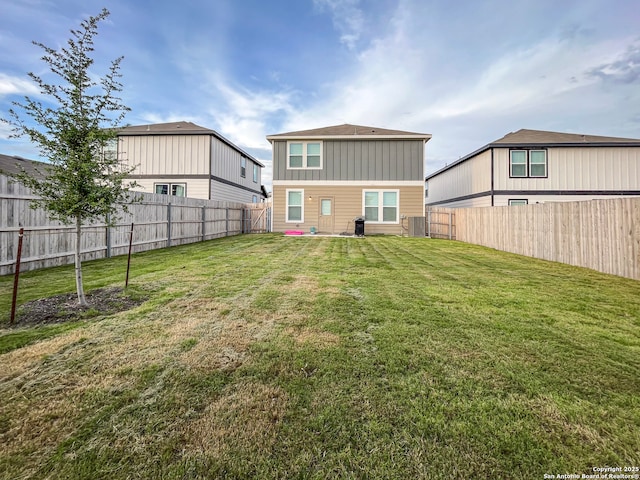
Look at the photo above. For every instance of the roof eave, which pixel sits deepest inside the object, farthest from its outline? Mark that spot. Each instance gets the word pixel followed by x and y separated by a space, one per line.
pixel 425 138
pixel 564 144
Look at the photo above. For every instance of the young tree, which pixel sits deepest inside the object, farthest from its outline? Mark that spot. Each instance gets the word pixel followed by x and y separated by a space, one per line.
pixel 81 182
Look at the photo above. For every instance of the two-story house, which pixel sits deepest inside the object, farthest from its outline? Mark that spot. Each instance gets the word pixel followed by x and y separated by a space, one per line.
pixel 325 178
pixel 532 166
pixel 184 159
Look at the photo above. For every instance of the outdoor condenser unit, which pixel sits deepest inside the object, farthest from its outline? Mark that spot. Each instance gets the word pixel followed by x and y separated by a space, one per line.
pixel 417 226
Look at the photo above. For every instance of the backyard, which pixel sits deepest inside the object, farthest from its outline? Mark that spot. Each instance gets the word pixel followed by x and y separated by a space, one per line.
pixel 264 356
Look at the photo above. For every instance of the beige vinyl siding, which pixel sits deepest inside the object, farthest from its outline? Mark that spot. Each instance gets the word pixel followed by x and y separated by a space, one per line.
pixel 166 154
pixel 468 178
pixel 576 168
pixel 387 160
pixel 225 163
pixel 347 206
pixel 196 187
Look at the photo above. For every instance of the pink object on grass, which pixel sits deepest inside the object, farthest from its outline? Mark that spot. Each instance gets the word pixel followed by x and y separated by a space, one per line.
pixel 294 232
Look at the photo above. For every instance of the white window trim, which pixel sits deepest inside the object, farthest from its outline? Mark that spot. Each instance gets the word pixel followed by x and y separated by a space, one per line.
pixel 170 187
pixel 286 200
pixel 546 163
pixel 527 163
pixel 380 206
pixel 304 155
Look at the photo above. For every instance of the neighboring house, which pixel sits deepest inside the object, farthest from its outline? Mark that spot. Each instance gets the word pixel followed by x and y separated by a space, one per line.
pixel 187 160
pixel 14 164
pixel 323 179
pixel 532 166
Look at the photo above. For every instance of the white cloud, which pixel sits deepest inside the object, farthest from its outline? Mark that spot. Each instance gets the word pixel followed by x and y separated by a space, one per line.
pixel 348 19
pixel 10 85
pixel 410 78
pixel 245 113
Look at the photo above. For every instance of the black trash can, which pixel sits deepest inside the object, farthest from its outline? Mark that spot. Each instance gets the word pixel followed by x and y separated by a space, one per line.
pixel 359 227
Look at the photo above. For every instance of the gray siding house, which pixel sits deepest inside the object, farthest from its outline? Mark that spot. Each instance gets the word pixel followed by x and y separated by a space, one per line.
pixel 184 159
pixel 533 166
pixel 324 178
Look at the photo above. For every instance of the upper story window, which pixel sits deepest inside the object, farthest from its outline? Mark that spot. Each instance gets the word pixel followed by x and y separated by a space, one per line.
pixel 243 167
pixel 304 155
pixel 528 163
pixel 110 149
pixel 255 173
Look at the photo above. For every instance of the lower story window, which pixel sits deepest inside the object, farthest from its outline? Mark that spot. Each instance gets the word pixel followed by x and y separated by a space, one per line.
pixel 176 189
pixel 518 201
pixel 295 206
pixel 380 206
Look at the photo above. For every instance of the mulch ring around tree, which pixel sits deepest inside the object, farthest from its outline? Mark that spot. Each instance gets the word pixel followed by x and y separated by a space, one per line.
pixel 65 307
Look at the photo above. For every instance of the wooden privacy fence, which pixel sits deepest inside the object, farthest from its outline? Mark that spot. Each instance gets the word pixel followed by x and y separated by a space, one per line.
pixel 603 235
pixel 159 221
pixel 441 223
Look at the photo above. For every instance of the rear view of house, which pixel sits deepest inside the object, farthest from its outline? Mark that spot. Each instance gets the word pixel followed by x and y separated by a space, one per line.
pixel 187 160
pixel 325 178
pixel 532 166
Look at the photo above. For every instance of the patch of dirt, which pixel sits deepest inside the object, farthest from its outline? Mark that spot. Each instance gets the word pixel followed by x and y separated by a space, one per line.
pixel 65 307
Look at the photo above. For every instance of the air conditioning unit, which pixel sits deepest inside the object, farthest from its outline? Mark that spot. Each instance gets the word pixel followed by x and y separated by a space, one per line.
pixel 417 226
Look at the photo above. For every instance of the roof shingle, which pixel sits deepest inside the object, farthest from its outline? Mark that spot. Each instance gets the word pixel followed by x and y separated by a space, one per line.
pixel 540 137
pixel 349 130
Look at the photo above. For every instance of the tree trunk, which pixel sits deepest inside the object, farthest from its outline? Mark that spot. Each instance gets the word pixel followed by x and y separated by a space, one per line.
pixel 81 298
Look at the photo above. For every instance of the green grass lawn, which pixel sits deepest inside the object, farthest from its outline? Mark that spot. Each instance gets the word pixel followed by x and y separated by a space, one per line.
pixel 265 356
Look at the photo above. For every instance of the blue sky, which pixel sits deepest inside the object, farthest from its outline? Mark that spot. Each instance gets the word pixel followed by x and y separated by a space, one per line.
pixel 468 72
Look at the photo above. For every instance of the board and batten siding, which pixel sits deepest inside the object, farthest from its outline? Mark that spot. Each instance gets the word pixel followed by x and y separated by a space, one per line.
pixel 225 163
pixel 576 168
pixel 166 154
pixel 357 160
pixel 347 205
pixel 467 178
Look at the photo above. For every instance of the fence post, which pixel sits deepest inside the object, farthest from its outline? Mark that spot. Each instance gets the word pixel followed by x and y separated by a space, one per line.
pixel 450 229
pixel 204 221
pixel 429 223
pixel 226 234
pixel 126 282
pixel 16 278
pixel 108 235
pixel 245 215
pixel 169 224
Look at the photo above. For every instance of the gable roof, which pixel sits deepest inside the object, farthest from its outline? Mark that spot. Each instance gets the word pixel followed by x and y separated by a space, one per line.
pixel 349 131
pixel 172 128
pixel 14 164
pixel 540 138
pixel 180 128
